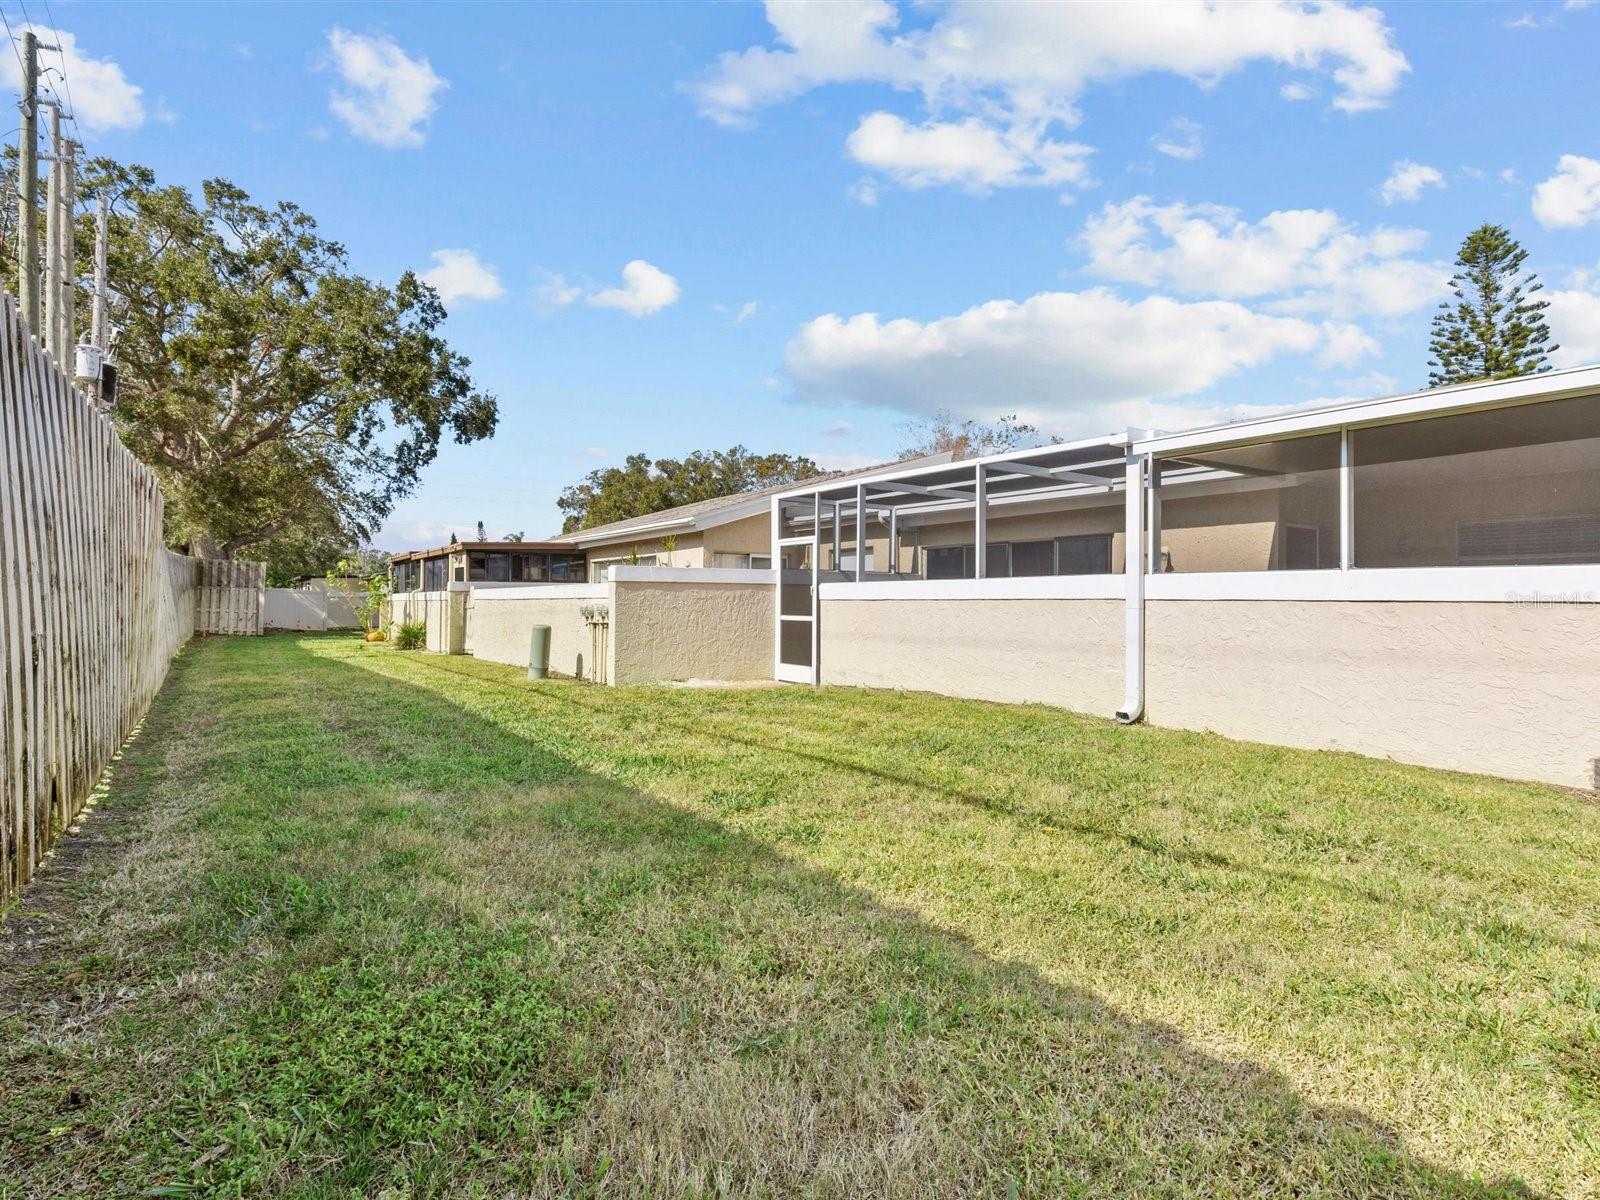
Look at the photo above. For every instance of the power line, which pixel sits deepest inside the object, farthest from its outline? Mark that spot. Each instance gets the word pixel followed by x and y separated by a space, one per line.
pixel 12 38
pixel 72 108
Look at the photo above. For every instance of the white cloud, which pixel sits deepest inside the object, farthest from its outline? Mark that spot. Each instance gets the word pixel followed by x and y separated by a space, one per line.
pixel 1570 197
pixel 969 153
pixel 865 192
pixel 389 96
pixel 645 289
pixel 459 275
pixel 746 310
pixel 1407 180
pixel 839 429
pixel 1062 356
pixel 1180 140
pixel 1306 260
pixel 1295 92
pixel 1574 317
pixel 1509 175
pixel 996 78
pixel 1035 60
pixel 555 292
pixel 1344 345
pixel 102 98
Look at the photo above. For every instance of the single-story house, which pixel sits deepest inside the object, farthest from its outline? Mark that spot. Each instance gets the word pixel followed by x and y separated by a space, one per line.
pixel 486 562
pixel 728 532
pixel 1416 576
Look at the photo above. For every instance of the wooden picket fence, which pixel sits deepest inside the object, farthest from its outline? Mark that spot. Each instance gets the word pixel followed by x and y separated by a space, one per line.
pixel 232 596
pixel 92 604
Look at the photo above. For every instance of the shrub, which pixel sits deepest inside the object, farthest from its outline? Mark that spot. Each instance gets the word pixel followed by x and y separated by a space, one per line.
pixel 410 635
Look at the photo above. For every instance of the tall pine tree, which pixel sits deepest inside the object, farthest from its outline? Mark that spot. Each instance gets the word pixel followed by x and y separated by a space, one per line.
pixel 1494 328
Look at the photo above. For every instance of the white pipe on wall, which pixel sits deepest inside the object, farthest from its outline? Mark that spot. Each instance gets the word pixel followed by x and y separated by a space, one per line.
pixel 1133 606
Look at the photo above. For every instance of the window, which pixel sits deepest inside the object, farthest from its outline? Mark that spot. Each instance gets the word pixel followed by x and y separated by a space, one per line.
pixel 949 562
pixel 435 574
pixel 1033 558
pixel 1508 487
pixel 1264 506
pixel 1084 554
pixel 734 561
pixel 1301 546
pixel 568 568
pixel 597 570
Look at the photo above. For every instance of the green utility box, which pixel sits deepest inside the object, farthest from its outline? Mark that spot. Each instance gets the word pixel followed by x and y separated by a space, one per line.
pixel 539 652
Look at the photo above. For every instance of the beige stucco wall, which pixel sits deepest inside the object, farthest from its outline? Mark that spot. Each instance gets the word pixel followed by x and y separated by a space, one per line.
pixel 1502 689
pixel 750 535
pixel 1057 651
pixel 688 551
pixel 687 630
pixel 431 608
pixel 500 631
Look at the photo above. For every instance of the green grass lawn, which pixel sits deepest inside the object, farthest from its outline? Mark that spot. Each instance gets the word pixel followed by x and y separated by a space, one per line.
pixel 354 922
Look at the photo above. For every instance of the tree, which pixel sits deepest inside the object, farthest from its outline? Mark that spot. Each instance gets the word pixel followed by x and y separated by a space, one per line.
pixel 285 402
pixel 643 486
pixel 942 433
pixel 1494 328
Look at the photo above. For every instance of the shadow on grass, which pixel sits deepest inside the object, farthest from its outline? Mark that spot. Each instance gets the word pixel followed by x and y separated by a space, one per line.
pixel 1201 1124
pixel 1477 922
pixel 761 1026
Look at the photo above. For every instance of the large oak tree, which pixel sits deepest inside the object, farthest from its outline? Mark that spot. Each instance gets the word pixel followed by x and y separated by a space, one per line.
pixel 285 401
pixel 642 485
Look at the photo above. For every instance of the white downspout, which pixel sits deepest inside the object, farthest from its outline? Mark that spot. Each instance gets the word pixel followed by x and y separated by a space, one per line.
pixel 1133 605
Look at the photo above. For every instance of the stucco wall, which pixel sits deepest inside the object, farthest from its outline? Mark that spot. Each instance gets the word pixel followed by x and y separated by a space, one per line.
pixel 431 608
pixel 750 535
pixel 688 630
pixel 1056 651
pixel 688 551
pixel 1502 689
pixel 500 625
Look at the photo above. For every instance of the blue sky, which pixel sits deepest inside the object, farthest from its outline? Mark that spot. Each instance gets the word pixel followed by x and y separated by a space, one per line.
pixel 841 217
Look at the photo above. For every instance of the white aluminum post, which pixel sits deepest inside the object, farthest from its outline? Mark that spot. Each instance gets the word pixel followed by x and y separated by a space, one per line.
pixel 1133 605
pixel 834 504
pixel 861 532
pixel 1347 511
pixel 1153 493
pixel 777 595
pixel 980 522
pixel 816 578
pixel 894 539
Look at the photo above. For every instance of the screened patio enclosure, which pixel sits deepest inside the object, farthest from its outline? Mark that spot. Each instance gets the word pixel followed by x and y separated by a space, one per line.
pixel 1044 513
pixel 1486 493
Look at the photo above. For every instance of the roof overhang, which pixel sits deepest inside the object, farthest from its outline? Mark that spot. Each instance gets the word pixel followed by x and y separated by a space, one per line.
pixel 1443 401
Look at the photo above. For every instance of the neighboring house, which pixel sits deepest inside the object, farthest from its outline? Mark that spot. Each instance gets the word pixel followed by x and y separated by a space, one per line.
pixel 485 562
pixel 726 531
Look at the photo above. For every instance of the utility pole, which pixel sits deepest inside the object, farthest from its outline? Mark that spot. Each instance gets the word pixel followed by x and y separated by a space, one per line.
pixel 52 237
pixel 97 317
pixel 69 254
pixel 28 186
